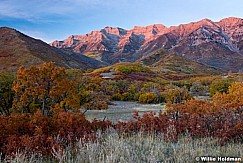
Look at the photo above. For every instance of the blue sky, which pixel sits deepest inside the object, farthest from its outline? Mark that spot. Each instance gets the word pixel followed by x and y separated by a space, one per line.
pixel 51 20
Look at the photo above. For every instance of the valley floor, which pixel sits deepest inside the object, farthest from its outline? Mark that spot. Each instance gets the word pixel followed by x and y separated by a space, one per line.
pixel 123 111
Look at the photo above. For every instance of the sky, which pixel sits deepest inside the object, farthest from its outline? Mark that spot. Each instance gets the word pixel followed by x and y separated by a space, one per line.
pixel 51 20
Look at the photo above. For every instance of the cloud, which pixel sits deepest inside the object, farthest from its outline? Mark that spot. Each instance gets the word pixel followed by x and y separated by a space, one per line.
pixel 48 10
pixel 7 10
pixel 19 10
pixel 34 10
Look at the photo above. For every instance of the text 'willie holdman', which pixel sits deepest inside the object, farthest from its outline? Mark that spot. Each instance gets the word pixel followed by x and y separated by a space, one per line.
pixel 219 159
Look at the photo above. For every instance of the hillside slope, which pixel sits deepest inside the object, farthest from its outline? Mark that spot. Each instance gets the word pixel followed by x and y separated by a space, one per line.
pixel 168 62
pixel 19 49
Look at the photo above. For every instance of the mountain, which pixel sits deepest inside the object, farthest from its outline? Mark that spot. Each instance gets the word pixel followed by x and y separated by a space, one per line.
pixel 19 49
pixel 215 44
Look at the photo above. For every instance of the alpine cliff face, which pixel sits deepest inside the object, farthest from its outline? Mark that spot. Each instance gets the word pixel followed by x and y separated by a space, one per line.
pixel 216 44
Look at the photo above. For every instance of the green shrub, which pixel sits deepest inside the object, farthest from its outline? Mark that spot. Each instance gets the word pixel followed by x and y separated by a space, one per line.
pixel 6 92
pixel 117 97
pixel 219 87
pixel 128 68
pixel 127 96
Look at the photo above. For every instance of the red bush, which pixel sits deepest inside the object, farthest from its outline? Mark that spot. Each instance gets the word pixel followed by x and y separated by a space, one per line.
pixel 37 133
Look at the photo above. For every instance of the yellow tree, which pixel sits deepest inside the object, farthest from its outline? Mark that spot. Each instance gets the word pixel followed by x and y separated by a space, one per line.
pixel 234 97
pixel 44 87
pixel 176 94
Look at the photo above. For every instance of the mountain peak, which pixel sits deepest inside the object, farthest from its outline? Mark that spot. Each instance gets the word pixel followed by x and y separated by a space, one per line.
pixel 113 30
pixel 149 26
pixel 7 30
pixel 149 30
pixel 205 20
pixel 230 21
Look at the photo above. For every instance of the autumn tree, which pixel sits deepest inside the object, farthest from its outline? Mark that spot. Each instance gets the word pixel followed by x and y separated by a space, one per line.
pixel 175 94
pixel 45 86
pixel 233 99
pixel 197 89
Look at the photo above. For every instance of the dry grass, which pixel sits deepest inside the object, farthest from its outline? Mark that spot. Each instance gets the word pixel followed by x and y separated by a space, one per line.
pixel 111 148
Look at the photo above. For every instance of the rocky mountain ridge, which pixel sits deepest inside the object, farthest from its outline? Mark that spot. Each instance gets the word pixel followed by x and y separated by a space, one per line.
pixel 217 44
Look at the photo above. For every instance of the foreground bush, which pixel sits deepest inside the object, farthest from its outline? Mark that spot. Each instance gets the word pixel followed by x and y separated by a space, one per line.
pixel 226 126
pixel 111 147
pixel 40 134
